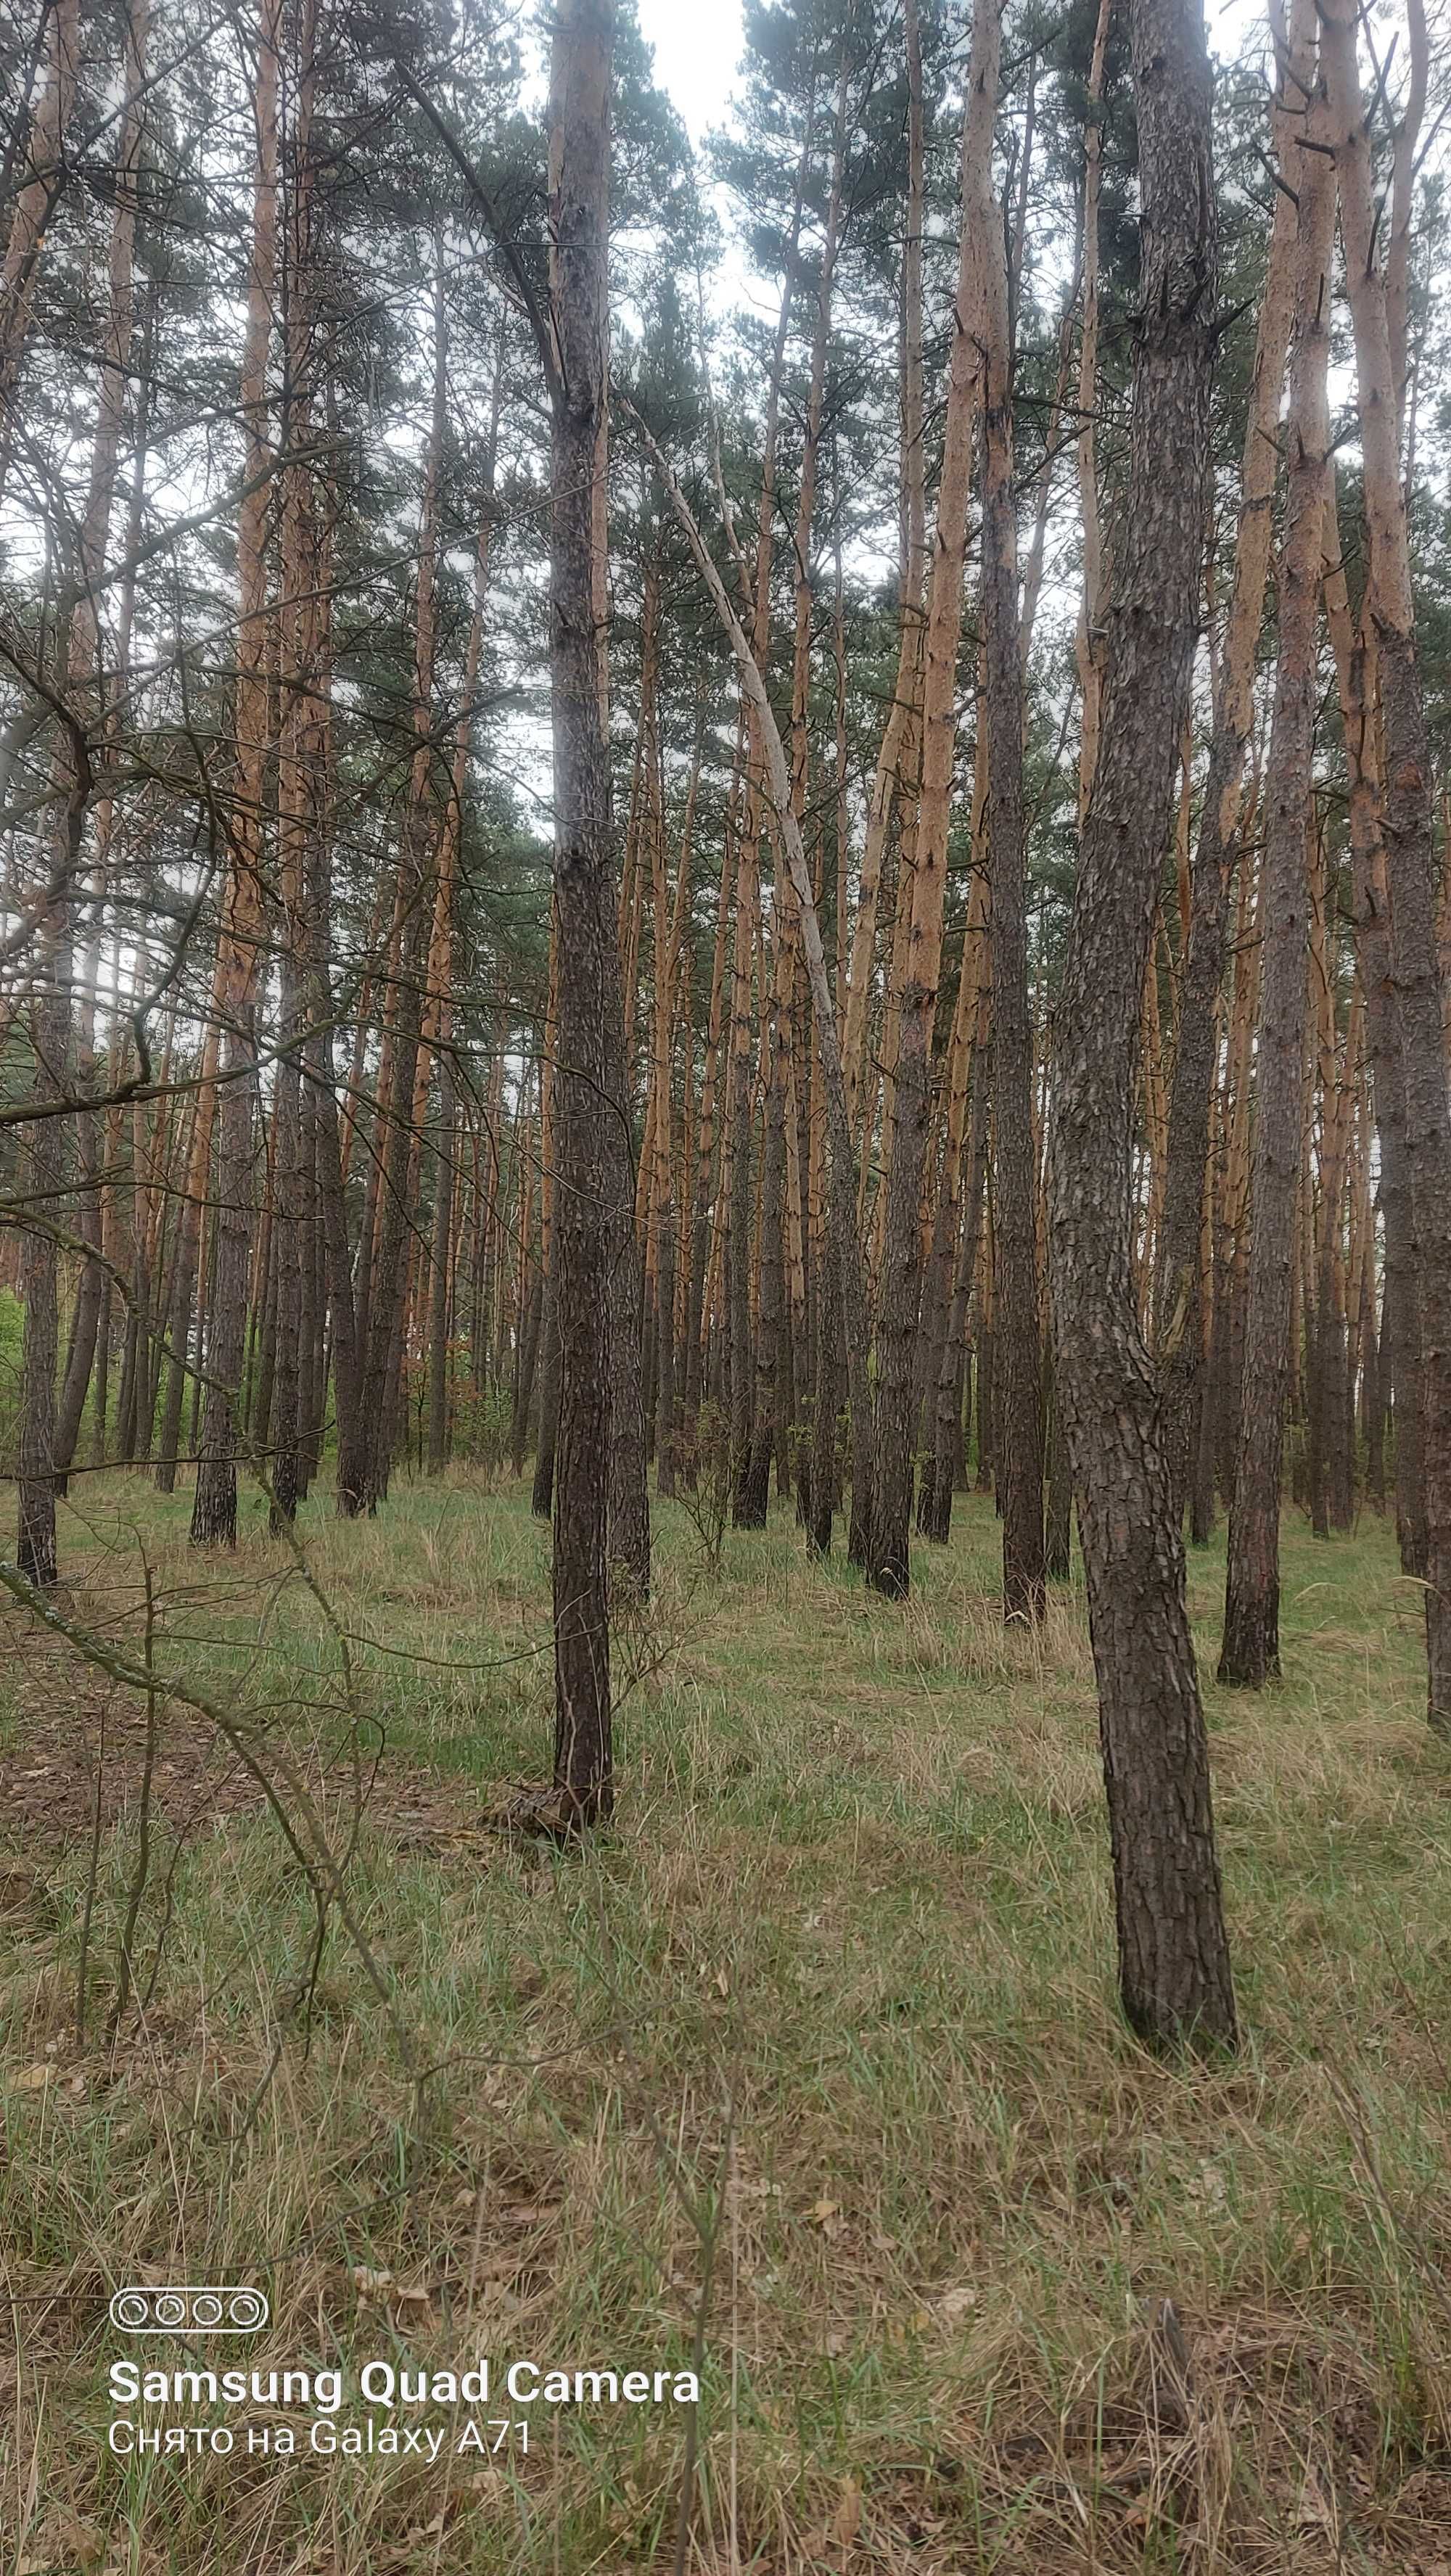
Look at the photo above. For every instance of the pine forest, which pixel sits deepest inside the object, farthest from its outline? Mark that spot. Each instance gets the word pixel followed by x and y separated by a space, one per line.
pixel 725 1287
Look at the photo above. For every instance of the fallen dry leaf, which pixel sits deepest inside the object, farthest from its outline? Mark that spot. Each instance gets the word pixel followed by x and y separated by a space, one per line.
pixel 846 2521
pixel 954 2304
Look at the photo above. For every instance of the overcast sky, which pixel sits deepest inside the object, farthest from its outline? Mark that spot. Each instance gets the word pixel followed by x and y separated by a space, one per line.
pixel 697 46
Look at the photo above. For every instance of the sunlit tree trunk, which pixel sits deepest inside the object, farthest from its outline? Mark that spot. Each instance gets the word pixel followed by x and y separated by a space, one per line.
pixel 916 990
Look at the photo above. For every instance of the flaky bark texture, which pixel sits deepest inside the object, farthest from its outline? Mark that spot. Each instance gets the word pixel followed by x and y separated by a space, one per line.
pixel 1173 1955
pixel 588 968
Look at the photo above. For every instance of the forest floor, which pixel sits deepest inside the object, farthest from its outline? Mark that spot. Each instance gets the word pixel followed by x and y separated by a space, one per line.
pixel 815 2058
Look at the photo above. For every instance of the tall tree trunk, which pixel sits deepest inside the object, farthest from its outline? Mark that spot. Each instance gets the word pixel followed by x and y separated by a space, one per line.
pixel 897 760
pixel 1015 1175
pixel 401 1066
pixel 49 1426
pixel 1407 829
pixel 1251 1650
pixel 756 604
pixel 298 785
pixel 1179 1322
pixel 926 853
pixel 1399 1350
pixel 1174 1973
pixel 214 1504
pixel 1088 639
pixel 580 72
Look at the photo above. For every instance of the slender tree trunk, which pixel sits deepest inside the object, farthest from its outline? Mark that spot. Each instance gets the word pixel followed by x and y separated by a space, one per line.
pixel 440 1276
pixel 589 986
pixel 297 787
pixel 896 762
pixel 1251 1650
pixel 214 1504
pixel 1015 1199
pixel 978 262
pixel 1406 825
pixel 1178 1317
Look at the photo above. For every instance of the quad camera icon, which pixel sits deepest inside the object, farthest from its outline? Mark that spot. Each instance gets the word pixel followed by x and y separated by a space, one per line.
pixel 228 2307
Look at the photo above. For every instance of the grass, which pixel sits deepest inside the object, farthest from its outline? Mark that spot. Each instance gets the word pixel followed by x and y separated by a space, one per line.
pixel 828 2018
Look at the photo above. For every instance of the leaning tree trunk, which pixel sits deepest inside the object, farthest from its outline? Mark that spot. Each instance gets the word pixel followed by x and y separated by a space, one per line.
pixel 848 1253
pixel 1174 1972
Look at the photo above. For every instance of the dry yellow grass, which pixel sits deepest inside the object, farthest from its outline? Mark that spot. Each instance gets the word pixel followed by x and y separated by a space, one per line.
pixel 829 2016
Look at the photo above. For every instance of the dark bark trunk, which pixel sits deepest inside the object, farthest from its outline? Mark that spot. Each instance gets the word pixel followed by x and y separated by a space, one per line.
pixel 821 1476
pixel 629 1492
pixel 755 1486
pixel 347 1390
pixel 1058 1548
pixel 1015 1175
pixel 85 1323
pixel 666 1427
pixel 287 1256
pixel 1372 1396
pixel 99 1425
pixel 1174 1973
pixel 738 1264
pixel 439 1284
pixel 584 893
pixel 214 1503
pixel 1251 1649
pixel 40 1344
